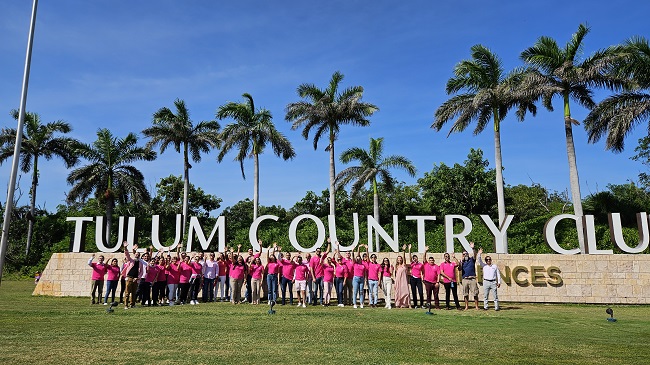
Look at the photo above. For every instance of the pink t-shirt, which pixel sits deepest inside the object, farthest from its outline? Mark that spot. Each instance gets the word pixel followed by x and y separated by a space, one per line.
pixel 416 270
pixel 386 271
pixel 272 267
pixel 152 274
pixel 448 269
pixel 257 271
pixel 431 272
pixel 237 271
pixel 348 263
pixel 223 268
pixel 301 272
pixel 113 272
pixel 162 273
pixel 316 265
pixel 98 271
pixel 185 273
pixel 173 274
pixel 341 271
pixel 359 269
pixel 197 269
pixel 373 271
pixel 328 273
pixel 288 267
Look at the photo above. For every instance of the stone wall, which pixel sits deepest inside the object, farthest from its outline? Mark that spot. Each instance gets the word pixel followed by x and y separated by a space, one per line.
pixel 623 279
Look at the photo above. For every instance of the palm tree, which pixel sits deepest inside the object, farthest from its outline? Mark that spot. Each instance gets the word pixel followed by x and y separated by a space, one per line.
pixel 559 72
pixel 178 130
pixel 109 174
pixel 372 165
pixel 250 133
pixel 618 114
pixel 326 111
pixel 488 94
pixel 39 140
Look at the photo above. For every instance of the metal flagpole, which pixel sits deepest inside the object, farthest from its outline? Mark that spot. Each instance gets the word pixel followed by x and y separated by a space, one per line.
pixel 9 205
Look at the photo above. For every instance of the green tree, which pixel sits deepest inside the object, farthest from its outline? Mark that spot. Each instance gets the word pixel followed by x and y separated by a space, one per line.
pixel 169 198
pixel 487 94
pixel 643 155
pixel 560 72
pixel 618 114
pixel 461 189
pixel 109 173
pixel 252 131
pixel 372 165
pixel 179 131
pixel 38 140
pixel 326 110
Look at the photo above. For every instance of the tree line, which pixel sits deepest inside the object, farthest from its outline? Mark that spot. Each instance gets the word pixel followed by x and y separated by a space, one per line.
pixel 482 92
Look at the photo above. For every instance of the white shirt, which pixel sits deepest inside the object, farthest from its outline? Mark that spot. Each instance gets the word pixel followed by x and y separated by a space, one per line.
pixel 490 272
pixel 210 269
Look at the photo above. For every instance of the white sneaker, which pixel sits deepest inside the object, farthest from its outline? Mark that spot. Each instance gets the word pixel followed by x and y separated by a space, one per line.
pixel 191 302
pixel 299 305
pixel 361 306
pixel 303 305
pixel 105 303
pixel 355 306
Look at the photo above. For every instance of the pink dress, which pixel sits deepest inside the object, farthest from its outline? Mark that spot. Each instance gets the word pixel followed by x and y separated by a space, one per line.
pixel 402 296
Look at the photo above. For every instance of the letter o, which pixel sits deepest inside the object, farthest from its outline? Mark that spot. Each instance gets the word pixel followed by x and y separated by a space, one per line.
pixel 294 226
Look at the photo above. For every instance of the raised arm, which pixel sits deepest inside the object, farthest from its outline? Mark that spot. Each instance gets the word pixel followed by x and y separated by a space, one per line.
pixel 480 260
pixel 473 253
pixel 90 260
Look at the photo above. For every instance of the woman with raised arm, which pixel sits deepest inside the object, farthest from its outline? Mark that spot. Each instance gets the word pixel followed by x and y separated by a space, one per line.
pixel 113 277
pixel 272 269
pixel 185 277
pixel 374 271
pixel 228 261
pixel 288 272
pixel 300 280
pixel 402 296
pixel 431 279
pixel 328 275
pixel 238 272
pixel 173 270
pixel 358 279
pixel 220 285
pixel 386 281
pixel 341 274
pixel 416 280
pixel 448 273
pixel 257 274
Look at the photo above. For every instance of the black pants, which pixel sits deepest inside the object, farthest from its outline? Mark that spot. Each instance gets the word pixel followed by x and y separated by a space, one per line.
pixel 145 291
pixel 158 289
pixel 416 287
pixel 122 288
pixel 208 290
pixel 453 289
pixel 195 287
pixel 185 288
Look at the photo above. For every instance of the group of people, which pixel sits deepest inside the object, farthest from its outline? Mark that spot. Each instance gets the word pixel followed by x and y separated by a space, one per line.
pixel 158 278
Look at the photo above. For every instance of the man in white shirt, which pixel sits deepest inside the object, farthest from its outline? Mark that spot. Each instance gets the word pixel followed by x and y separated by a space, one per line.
pixel 491 279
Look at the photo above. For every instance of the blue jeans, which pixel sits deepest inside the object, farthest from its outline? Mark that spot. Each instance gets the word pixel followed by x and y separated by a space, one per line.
pixel 339 283
pixel 283 284
pixel 373 291
pixel 208 290
pixel 111 285
pixel 318 286
pixel 357 288
pixel 272 284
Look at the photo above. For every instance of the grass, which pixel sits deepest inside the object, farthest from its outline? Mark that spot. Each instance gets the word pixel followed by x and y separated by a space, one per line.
pixel 47 330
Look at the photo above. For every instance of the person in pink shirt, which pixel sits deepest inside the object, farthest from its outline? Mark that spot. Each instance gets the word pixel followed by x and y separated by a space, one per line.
pixel 359 272
pixel 347 287
pixel 221 279
pixel 416 280
pixel 195 279
pixel 386 281
pixel 288 269
pixel 316 271
pixel 257 273
pixel 341 274
pixel 228 261
pixel 149 280
pixel 328 276
pixel 184 279
pixel 374 271
pixel 300 279
pixel 97 278
pixel 238 272
pixel 272 269
pixel 448 273
pixel 431 279
pixel 159 285
pixel 113 271
pixel 173 270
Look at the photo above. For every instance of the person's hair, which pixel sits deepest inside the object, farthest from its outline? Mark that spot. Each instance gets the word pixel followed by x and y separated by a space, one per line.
pixel 385 263
pixel 397 260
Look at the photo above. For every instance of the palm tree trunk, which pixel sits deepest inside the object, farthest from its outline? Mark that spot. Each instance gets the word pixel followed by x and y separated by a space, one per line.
pixel 256 191
pixel 332 176
pixel 32 206
pixel 110 206
pixel 573 173
pixel 501 203
pixel 375 203
pixel 186 183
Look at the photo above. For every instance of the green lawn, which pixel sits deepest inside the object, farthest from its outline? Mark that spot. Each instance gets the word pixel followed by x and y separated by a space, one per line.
pixel 46 330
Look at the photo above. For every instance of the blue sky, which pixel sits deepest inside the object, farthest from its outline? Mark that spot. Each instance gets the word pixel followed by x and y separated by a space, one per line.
pixel 114 63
